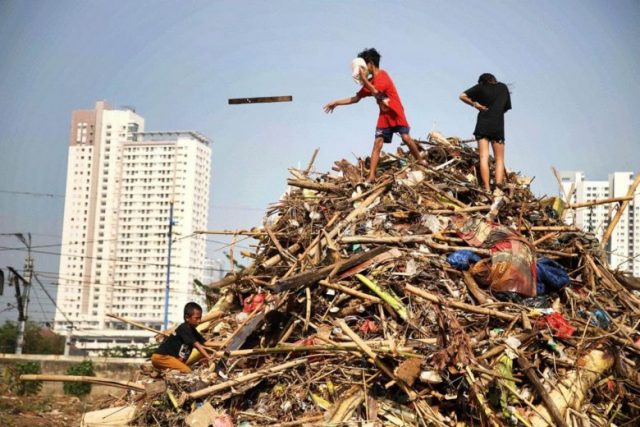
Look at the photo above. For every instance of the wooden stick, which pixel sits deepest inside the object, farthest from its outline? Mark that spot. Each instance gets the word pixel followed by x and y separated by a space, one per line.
pixel 379 363
pixel 317 186
pixel 618 215
pixel 253 233
pixel 283 253
pixel 246 378
pixel 83 379
pixel 310 164
pixel 349 291
pixel 312 276
pixel 599 202
pixel 138 325
pixel 460 305
pixel 537 384
pixel 260 99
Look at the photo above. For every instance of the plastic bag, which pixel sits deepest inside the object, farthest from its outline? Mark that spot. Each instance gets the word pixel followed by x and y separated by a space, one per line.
pixel 460 260
pixel 551 276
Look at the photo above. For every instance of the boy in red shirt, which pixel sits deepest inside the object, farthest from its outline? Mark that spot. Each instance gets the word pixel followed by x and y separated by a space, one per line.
pixel 391 119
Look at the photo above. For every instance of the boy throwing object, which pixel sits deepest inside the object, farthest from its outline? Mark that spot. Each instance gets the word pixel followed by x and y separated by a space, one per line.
pixel 391 119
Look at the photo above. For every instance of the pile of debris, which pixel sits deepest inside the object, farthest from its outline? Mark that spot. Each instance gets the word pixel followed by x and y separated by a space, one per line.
pixel 418 300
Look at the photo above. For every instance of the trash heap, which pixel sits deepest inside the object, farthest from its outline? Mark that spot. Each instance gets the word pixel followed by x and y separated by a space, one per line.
pixel 418 300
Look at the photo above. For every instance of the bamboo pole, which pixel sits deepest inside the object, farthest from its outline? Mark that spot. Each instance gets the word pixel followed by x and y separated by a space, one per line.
pixel 246 378
pixel 572 389
pixel 618 215
pixel 599 202
pixel 138 325
pixel 83 379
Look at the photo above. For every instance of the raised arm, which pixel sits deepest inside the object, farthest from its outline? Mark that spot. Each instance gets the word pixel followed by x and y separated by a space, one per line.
pixel 345 101
pixel 366 83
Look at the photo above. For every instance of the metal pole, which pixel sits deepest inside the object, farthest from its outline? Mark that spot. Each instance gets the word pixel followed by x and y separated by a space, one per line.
pixel 166 289
pixel 28 269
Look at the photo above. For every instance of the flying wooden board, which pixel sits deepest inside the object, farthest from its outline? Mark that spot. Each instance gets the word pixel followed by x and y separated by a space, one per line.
pixel 235 101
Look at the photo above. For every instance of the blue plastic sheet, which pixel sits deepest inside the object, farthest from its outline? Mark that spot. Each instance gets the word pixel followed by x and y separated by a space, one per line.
pixel 460 260
pixel 551 276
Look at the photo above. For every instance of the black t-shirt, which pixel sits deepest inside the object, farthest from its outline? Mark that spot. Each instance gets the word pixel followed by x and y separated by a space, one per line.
pixel 180 343
pixel 496 98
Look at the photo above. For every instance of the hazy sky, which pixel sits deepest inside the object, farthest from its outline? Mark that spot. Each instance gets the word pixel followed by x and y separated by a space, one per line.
pixel 573 66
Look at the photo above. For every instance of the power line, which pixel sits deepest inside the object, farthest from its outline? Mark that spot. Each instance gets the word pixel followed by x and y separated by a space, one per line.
pixel 95 284
pixel 51 299
pixel 62 196
pixel 100 258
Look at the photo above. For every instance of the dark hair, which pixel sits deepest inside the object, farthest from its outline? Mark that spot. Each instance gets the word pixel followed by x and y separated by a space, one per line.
pixel 370 55
pixel 190 307
pixel 487 78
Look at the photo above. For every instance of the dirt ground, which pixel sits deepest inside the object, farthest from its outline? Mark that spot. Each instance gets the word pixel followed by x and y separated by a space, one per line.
pixel 40 411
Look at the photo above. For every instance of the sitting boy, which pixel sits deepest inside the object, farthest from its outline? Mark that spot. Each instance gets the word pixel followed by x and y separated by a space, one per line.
pixel 175 350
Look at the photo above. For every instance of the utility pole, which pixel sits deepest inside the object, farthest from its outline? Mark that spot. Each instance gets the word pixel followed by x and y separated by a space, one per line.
pixel 169 242
pixel 23 314
pixel 167 287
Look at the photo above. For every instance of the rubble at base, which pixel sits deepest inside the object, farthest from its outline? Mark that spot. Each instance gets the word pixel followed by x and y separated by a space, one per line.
pixel 351 314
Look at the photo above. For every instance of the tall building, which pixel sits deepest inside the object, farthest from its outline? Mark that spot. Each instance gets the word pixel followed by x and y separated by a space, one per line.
pixel 121 184
pixel 623 248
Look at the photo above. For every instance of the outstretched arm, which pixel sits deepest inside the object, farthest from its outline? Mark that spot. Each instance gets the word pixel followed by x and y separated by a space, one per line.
pixel 465 98
pixel 345 101
pixel 202 350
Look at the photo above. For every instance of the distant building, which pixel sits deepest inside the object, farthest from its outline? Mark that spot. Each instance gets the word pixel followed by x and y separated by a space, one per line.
pixel 121 182
pixel 623 247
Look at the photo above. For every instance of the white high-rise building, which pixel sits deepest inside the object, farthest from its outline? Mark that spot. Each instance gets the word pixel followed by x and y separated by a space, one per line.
pixel 121 183
pixel 623 248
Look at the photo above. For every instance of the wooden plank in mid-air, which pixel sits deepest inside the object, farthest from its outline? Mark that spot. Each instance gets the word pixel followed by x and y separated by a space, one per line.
pixel 263 99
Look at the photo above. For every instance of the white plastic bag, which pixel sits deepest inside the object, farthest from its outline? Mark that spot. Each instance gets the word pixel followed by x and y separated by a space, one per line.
pixel 356 64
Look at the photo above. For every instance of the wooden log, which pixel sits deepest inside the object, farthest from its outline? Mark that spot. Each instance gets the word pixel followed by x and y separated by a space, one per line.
pixel 419 238
pixel 260 100
pixel 309 277
pixel 618 215
pixel 460 305
pixel 474 289
pixel 261 373
pixel 317 186
pixel 83 379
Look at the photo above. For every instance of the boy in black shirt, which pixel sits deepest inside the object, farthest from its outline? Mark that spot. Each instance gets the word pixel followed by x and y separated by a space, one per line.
pixel 175 350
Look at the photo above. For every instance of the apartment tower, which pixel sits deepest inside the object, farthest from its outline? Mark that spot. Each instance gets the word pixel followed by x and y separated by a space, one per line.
pixel 623 248
pixel 121 183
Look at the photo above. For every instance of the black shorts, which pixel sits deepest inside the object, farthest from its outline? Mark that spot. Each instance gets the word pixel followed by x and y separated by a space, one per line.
pixel 387 133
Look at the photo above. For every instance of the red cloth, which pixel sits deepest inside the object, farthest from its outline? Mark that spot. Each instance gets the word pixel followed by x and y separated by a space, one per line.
pixel 391 109
pixel 561 326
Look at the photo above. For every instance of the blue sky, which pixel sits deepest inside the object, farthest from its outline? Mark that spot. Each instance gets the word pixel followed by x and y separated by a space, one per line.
pixel 573 66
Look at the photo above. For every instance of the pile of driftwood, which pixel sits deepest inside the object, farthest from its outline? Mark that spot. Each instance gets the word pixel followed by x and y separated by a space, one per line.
pixel 352 313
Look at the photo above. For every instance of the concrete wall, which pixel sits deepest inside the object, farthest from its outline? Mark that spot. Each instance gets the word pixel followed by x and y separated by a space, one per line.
pixel 108 367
